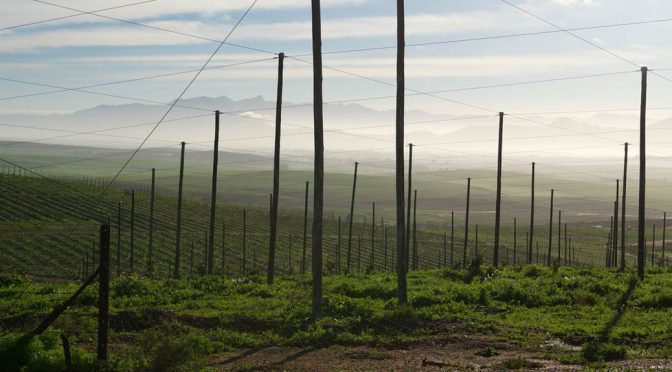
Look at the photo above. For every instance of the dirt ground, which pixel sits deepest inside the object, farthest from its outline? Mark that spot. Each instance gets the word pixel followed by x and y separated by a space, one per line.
pixel 452 353
pixel 447 353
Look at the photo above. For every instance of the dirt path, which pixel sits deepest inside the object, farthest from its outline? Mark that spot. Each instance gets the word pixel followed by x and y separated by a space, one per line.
pixel 441 353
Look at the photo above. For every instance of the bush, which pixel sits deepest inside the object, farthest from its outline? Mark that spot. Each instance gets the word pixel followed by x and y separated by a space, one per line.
pixel 12 280
pixel 172 348
pixel 132 285
pixel 598 352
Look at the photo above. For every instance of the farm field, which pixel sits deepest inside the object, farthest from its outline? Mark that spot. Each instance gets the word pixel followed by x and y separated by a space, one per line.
pixel 526 317
pixel 335 185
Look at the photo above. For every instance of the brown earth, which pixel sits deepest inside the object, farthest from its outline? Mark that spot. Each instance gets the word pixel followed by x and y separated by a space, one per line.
pixel 447 353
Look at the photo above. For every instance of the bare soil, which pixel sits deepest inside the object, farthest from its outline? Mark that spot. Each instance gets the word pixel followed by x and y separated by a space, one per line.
pixel 445 353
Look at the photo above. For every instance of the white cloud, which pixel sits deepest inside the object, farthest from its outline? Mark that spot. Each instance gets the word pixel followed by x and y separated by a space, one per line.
pixel 22 11
pixel 111 34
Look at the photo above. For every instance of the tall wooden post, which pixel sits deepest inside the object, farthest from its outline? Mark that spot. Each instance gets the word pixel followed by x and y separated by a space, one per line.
pixel 531 232
pixel 476 243
pixel 178 237
pixel 104 293
pixel 615 240
pixel 224 271
pixel 402 293
pixel 150 246
pixel 498 203
pixel 566 253
pixel 653 245
pixel 625 179
pixel 445 250
pixel 662 256
pixel 206 245
pixel 338 248
pixel 373 235
pixel 452 236
pixel 515 240
pixel 244 263
pixel 352 216
pixel 550 231
pixel 276 172
pixel 132 231
pixel 191 259
pixel 118 238
pixel 409 205
pixel 318 190
pixel 305 231
pixel 559 234
pixel 466 225
pixel 213 199
pixel 385 245
pixel 359 253
pixel 415 230
pixel 642 178
pixel 289 255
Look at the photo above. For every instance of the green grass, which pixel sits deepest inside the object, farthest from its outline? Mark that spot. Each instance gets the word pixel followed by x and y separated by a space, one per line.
pixel 607 314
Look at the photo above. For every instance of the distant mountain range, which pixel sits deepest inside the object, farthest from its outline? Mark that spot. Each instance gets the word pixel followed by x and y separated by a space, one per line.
pixel 248 126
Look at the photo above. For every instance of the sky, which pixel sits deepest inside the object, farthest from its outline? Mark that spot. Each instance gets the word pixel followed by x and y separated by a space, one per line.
pixel 85 49
pixel 469 54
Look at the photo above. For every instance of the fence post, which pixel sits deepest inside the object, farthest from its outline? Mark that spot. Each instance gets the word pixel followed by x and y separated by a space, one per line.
pixel 150 248
pixel 531 232
pixel 104 293
pixel 498 203
pixel 415 230
pixel 409 205
pixel 642 178
pixel 550 231
pixel 466 225
pixel 373 235
pixel 402 294
pixel 118 238
pixel 178 238
pixel 352 215
pixel 305 231
pixel 213 199
pixel 625 180
pixel 132 231
pixel 615 240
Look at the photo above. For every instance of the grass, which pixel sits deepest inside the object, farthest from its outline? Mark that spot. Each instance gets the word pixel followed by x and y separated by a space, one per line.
pixel 153 320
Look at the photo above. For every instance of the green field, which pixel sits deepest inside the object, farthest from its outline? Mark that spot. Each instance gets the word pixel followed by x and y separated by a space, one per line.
pixel 572 316
pixel 517 316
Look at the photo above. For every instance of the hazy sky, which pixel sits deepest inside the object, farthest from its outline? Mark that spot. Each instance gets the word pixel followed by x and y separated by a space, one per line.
pixel 86 50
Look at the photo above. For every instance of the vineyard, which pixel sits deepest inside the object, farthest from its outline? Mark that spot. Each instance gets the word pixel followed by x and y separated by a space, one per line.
pixel 355 185
pixel 59 224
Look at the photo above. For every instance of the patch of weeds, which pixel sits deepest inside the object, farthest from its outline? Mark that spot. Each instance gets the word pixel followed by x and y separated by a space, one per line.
pixel 487 352
pixel 597 352
pixel 172 348
pixel 520 363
